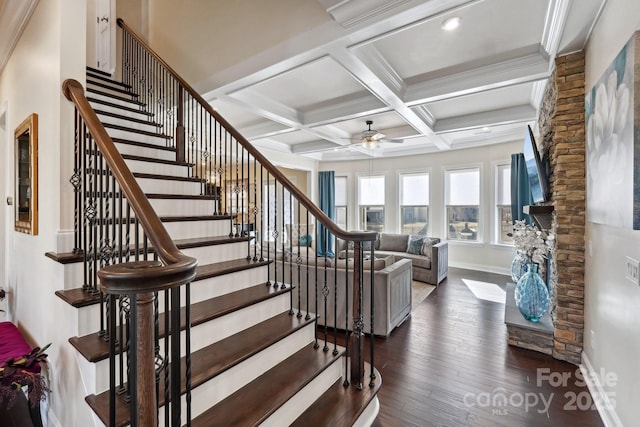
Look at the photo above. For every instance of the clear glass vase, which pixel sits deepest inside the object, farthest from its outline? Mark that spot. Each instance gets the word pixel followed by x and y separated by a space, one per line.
pixel 519 266
pixel 532 295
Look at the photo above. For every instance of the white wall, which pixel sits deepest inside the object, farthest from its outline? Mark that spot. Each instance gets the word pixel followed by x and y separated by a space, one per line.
pixel 612 303
pixel 209 37
pixel 484 255
pixel 51 49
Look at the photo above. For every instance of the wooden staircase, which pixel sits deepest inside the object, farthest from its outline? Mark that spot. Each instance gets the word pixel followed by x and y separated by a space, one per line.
pixel 253 360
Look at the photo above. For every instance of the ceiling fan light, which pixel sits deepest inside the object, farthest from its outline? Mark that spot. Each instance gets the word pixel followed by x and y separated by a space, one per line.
pixel 369 143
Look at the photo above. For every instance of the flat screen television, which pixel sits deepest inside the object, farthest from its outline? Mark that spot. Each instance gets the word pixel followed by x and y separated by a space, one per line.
pixel 538 180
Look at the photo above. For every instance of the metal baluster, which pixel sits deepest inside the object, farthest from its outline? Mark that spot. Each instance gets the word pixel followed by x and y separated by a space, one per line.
pixel 372 375
pixel 335 297
pixel 325 288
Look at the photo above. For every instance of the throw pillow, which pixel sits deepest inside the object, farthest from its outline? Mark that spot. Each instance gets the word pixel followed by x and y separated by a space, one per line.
pixel 427 243
pixel 305 240
pixel 393 242
pixel 415 245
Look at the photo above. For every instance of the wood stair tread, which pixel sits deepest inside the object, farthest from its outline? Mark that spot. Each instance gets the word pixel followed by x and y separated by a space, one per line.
pixel 114 105
pixel 154 160
pixel 180 196
pixel 138 131
pixel 194 218
pixel 143 144
pixel 339 405
pixel 123 90
pixel 112 96
pixel 95 349
pixel 268 392
pixel 127 118
pixel 77 297
pixel 106 78
pixel 97 71
pixel 212 360
pixel 168 177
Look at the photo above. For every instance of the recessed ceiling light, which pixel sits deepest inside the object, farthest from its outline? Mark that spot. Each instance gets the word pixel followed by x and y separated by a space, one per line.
pixel 450 24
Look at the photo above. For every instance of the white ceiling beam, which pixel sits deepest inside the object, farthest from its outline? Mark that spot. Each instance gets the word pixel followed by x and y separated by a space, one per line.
pixel 352 107
pixel 377 86
pixel 554 24
pixel 522 113
pixel 264 129
pixel 527 68
pixel 265 107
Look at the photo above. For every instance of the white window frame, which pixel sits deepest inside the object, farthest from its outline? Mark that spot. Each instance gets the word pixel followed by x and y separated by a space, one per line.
pixel 361 207
pixel 480 224
pixel 346 206
pixel 402 173
pixel 497 217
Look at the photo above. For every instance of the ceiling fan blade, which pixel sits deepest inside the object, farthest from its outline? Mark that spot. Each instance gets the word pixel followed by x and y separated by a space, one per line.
pixel 378 136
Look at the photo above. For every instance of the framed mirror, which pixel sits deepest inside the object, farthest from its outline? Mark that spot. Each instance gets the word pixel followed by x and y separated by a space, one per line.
pixel 26 176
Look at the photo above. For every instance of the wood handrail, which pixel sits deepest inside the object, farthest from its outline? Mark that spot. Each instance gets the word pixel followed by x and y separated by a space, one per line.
pixel 176 267
pixel 302 198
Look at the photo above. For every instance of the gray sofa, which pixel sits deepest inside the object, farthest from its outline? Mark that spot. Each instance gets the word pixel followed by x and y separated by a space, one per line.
pixel 430 263
pixel 391 284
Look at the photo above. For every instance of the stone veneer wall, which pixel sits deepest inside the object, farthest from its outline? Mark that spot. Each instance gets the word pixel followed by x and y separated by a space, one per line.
pixel 568 195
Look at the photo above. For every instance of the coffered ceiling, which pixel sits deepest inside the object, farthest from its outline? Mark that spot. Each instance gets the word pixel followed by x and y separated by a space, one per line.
pixel 392 62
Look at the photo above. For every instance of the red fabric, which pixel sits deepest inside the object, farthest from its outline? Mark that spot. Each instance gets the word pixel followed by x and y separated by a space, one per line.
pixel 13 344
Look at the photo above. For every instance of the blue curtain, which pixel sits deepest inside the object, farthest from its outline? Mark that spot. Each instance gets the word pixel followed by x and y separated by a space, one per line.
pixel 520 189
pixel 328 206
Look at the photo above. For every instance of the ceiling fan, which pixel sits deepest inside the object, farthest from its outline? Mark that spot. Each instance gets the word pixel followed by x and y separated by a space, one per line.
pixel 371 138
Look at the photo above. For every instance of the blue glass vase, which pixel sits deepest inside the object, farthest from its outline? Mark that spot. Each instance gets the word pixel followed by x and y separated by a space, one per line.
pixel 532 295
pixel 518 266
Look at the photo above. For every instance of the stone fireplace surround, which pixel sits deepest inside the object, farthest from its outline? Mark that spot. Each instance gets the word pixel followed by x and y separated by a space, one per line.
pixel 562 140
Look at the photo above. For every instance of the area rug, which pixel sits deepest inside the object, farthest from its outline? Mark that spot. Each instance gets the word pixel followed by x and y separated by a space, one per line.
pixel 420 291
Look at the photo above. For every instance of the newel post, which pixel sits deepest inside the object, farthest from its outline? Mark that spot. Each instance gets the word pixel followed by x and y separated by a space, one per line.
pixel 145 363
pixel 356 342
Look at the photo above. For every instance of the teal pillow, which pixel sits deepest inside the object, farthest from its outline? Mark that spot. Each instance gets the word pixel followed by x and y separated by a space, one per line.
pixel 415 245
pixel 305 240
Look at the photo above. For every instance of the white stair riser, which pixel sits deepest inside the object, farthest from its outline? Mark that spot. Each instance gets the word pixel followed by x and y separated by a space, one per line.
pixel 294 407
pixel 133 136
pixel 147 127
pixel 114 101
pixel 146 151
pixel 157 168
pixel 95 81
pixel 221 285
pixel 102 107
pixel 179 207
pixel 165 186
pixel 89 316
pixel 193 229
pixel 225 384
pixel 112 89
pixel 210 332
pixel 225 326
pixel 218 253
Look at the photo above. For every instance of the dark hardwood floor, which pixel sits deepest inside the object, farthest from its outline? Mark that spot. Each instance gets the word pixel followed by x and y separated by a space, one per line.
pixel 449 365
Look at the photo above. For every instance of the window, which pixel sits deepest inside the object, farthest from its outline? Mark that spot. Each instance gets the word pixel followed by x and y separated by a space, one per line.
pixel 462 199
pixel 371 202
pixel 341 201
pixel 504 225
pixel 414 203
pixel 276 197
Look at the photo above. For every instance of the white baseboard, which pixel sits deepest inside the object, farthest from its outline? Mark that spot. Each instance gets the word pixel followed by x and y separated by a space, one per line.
pixel 481 267
pixel 606 408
